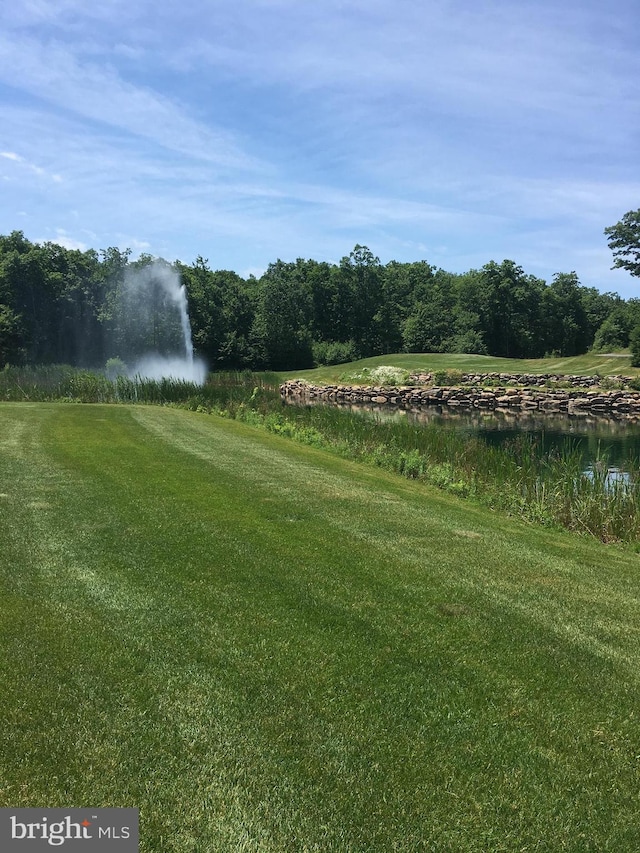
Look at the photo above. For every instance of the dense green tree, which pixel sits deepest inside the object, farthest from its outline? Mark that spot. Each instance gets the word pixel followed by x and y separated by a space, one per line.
pixel 281 331
pixel 145 316
pixel 362 279
pixel 403 288
pixel 613 333
pixel 597 307
pixel 508 306
pixel 432 321
pixel 314 279
pixel 34 290
pixel 624 241
pixel 12 333
pixel 10 337
pixel 466 337
pixel 634 343
pixel 566 325
pixel 221 314
pixel 77 282
pixel 58 304
pixel 113 268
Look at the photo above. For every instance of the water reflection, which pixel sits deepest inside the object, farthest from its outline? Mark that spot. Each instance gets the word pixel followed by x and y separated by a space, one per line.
pixel 614 440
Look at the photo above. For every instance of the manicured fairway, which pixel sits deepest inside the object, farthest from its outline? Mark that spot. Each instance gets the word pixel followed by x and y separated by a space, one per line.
pixel 266 648
pixel 606 364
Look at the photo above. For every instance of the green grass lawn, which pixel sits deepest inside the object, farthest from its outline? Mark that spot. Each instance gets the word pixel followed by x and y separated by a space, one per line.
pixel 591 363
pixel 267 648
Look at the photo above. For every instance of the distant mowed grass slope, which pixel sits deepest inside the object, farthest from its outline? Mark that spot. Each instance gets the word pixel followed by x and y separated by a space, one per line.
pixel 606 364
pixel 267 648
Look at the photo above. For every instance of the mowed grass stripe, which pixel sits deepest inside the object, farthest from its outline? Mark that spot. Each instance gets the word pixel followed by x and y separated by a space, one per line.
pixel 267 648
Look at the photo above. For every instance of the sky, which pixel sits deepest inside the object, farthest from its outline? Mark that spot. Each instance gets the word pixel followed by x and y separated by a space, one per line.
pixel 452 131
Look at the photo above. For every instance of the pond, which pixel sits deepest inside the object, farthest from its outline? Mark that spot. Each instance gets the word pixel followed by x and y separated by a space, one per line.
pixel 616 440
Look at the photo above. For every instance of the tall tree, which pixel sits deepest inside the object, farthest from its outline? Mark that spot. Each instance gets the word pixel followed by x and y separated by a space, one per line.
pixel 33 291
pixel 146 316
pixel 566 326
pixel 113 268
pixel 432 320
pixel 509 310
pixel 624 241
pixel 11 351
pixel 281 334
pixel 613 333
pixel 362 276
pixel 220 312
pixel 598 307
pixel 400 293
pixel 75 279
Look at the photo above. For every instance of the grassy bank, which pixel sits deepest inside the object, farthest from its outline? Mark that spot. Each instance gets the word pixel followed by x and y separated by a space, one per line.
pixel 588 364
pixel 519 477
pixel 268 648
pixel 56 382
pixel 550 488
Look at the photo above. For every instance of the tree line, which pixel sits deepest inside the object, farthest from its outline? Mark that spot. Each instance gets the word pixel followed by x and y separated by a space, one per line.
pixel 60 305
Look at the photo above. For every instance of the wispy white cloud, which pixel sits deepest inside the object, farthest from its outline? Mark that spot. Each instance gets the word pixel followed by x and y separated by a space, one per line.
pixel 491 55
pixel 30 167
pixel 97 93
pixel 62 238
pixel 68 15
pixel 274 128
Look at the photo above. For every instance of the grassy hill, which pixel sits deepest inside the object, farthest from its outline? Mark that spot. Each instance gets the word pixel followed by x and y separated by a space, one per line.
pixel 591 363
pixel 267 648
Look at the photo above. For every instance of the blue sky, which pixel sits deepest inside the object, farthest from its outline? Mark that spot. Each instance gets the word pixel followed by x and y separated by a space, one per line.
pixel 455 131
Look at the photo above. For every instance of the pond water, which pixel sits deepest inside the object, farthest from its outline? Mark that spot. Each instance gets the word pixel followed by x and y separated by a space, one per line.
pixel 615 439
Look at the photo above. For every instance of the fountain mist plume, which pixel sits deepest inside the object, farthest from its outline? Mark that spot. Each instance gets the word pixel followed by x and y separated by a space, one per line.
pixel 153 331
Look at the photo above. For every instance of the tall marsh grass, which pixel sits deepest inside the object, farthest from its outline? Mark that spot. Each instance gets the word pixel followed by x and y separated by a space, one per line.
pixel 520 477
pixel 548 487
pixel 61 382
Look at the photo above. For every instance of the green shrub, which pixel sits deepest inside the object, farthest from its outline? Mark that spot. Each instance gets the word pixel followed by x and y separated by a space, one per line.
pixel 385 375
pixel 334 352
pixel 447 378
pixel 634 345
pixel 382 375
pixel 115 367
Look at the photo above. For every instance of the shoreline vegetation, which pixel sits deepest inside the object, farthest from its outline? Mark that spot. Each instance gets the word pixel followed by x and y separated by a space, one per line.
pixel 544 487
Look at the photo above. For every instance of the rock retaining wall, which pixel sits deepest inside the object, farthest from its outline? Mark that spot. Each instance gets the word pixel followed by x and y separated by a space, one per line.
pixel 622 403
pixel 530 380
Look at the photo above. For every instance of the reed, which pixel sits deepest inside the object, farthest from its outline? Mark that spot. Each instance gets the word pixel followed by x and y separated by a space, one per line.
pixel 35 384
pixel 48 383
pixel 520 477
